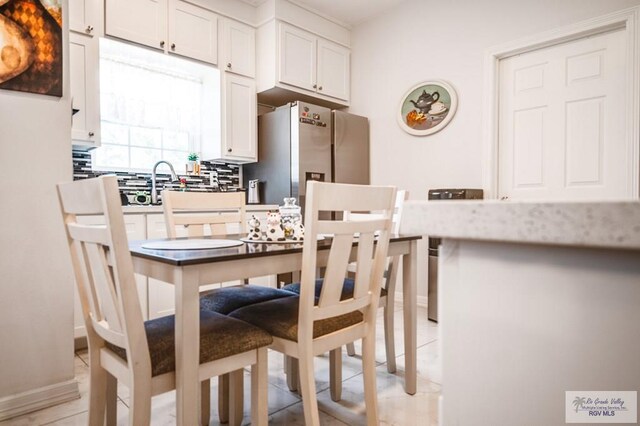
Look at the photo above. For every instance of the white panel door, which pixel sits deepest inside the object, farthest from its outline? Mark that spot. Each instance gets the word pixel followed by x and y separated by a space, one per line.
pixel 297 58
pixel 140 21
pixel 240 122
pixel 85 86
pixel 193 32
pixel 563 120
pixel 239 45
pixel 333 69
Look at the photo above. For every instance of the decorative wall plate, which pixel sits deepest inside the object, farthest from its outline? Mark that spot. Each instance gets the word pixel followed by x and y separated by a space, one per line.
pixel 427 107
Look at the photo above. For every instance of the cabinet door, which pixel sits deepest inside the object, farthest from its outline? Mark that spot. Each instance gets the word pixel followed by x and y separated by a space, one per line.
pixel 297 58
pixel 240 118
pixel 333 69
pixel 140 21
pixel 193 32
pixel 85 86
pixel 136 230
pixel 239 46
pixel 84 16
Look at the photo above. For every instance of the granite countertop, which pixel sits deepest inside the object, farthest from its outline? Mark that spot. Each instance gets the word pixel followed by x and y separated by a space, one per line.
pixel 609 224
pixel 146 209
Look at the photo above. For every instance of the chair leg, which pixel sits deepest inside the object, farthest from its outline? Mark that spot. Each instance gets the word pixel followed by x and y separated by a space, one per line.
pixel 335 374
pixel 292 370
pixel 389 338
pixel 205 402
pixel 351 349
pixel 369 375
pixel 97 391
pixel 259 399
pixel 140 408
pixel 223 398
pixel 112 400
pixel 236 397
pixel 308 386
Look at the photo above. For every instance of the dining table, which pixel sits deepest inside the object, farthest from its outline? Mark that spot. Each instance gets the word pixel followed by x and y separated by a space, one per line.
pixel 190 269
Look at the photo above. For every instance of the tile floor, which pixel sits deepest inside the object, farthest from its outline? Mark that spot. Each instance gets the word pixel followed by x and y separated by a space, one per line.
pixel 285 407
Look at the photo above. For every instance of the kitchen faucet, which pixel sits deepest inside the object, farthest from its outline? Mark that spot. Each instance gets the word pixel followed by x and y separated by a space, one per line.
pixel 174 177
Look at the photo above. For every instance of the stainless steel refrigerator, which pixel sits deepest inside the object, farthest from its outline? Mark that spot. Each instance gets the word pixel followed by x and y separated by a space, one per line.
pixel 299 142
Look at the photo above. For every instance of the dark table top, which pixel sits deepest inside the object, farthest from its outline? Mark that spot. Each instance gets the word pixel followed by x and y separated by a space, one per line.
pixel 244 251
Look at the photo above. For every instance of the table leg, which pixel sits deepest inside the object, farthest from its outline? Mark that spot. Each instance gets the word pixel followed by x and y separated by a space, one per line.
pixel 410 310
pixel 187 346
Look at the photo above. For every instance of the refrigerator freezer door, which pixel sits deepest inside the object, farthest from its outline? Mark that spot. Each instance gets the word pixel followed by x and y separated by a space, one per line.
pixel 311 146
pixel 350 148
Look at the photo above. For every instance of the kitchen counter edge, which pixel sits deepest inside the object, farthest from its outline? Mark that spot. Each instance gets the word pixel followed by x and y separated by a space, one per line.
pixel 602 224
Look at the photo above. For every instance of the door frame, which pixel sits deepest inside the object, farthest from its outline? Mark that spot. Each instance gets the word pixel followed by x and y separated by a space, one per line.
pixel 627 20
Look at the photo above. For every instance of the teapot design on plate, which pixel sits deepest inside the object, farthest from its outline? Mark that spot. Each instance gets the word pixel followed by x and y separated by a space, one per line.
pixel 425 100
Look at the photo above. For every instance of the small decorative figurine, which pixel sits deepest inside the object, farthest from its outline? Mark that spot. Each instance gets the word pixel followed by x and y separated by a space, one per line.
pixel 275 230
pixel 298 232
pixel 254 229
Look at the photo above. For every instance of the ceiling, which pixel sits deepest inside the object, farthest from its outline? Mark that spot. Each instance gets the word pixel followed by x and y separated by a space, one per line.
pixel 351 12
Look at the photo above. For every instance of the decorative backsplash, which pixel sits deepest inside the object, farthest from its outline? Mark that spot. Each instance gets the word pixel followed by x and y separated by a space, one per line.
pixel 214 177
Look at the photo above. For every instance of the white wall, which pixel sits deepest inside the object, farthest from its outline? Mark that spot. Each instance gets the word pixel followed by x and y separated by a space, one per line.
pixel 428 39
pixel 36 285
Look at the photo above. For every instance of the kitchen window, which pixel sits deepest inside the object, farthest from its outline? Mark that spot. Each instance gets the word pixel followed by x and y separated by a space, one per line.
pixel 153 107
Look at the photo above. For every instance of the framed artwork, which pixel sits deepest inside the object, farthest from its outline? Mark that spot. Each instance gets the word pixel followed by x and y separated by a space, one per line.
pixel 31 46
pixel 427 107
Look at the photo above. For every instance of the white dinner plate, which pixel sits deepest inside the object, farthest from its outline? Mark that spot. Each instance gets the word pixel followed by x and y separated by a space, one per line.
pixel 191 244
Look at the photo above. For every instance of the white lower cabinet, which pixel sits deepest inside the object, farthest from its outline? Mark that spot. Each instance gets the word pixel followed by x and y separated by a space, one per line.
pixel 136 230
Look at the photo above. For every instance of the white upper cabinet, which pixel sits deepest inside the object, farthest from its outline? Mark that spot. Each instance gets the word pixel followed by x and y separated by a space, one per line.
pixel 292 60
pixel 239 48
pixel 239 121
pixel 140 21
pixel 193 32
pixel 297 58
pixel 174 26
pixel 85 89
pixel 84 17
pixel 333 69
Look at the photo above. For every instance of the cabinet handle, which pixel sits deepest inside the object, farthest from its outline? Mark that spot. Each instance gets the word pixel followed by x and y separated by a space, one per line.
pixel 320 88
pixel 91 134
pixel 173 46
pixel 229 65
pixel 89 28
pixel 162 43
pixel 229 149
pixel 315 86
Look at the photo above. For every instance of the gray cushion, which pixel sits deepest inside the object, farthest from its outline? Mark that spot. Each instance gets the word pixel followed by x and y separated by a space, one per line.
pixel 279 317
pixel 220 337
pixel 347 288
pixel 227 299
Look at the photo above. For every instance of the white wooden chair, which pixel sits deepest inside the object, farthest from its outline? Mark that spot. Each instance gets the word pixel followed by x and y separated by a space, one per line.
pixel 302 328
pixel 388 295
pixel 217 213
pixel 121 345
pixel 200 212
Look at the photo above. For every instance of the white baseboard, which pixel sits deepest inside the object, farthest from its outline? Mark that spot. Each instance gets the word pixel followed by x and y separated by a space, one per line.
pixel 37 399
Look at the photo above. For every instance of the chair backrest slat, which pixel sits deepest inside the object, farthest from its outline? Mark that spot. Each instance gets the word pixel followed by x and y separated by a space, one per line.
pixel 370 257
pixel 103 267
pixel 193 211
pixel 103 287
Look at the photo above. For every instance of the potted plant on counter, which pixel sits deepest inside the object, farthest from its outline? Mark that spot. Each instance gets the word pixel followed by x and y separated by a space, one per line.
pixel 192 164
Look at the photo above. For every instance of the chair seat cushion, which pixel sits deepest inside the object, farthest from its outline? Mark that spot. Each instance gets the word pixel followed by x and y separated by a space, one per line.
pixel 347 288
pixel 279 317
pixel 227 299
pixel 220 337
